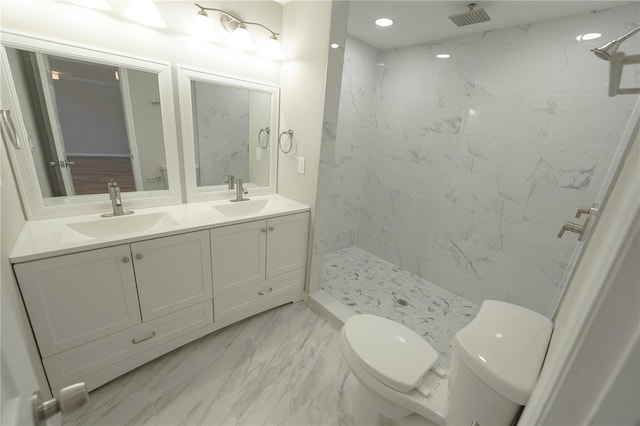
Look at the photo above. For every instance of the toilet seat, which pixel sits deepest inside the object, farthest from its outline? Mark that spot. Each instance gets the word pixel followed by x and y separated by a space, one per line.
pixel 392 353
pixel 431 407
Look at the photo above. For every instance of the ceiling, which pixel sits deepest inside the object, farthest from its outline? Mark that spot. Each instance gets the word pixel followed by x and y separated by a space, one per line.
pixel 421 21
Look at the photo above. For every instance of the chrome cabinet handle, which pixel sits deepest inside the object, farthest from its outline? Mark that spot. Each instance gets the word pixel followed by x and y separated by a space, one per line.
pixel 151 336
pixel 125 259
pixel 263 293
pixel 139 256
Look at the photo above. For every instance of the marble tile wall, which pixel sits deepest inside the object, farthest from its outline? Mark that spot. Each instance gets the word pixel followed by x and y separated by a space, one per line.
pixel 476 161
pixel 222 131
pixel 354 135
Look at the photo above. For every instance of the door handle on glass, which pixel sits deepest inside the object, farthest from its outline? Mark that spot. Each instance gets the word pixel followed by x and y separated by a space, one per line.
pixel 574 227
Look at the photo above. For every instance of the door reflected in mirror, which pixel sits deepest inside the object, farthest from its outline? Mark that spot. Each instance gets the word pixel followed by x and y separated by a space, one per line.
pixel 89 123
pixel 232 133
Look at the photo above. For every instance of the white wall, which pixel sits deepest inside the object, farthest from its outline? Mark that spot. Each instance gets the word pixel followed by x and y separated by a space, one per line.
pixel 147 121
pixel 11 223
pixel 476 161
pixel 309 87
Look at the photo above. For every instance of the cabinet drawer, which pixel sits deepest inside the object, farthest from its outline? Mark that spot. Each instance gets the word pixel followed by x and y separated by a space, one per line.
pixel 72 365
pixel 256 298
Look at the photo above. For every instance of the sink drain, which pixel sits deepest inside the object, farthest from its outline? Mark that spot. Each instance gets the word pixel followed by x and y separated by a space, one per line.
pixel 402 302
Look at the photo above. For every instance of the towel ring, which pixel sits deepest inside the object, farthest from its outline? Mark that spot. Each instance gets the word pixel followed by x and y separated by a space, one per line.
pixel 290 133
pixel 267 132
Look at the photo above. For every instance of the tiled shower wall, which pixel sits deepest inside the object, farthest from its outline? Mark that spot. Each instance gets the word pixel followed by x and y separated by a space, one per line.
pixel 463 170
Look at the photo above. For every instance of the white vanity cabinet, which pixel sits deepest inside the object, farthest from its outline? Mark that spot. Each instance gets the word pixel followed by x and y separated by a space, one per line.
pixel 258 265
pixel 101 312
pixel 77 298
pixel 92 309
pixel 172 273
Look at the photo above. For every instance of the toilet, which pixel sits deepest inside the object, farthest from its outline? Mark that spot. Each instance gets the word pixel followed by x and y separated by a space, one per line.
pixel 495 363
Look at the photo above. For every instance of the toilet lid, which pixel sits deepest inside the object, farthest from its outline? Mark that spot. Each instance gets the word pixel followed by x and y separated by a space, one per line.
pixel 391 352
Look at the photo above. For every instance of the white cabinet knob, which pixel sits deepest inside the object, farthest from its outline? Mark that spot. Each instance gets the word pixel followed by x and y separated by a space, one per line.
pixel 139 256
pixel 125 259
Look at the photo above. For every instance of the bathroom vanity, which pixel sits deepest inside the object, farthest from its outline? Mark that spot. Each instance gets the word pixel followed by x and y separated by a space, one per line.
pixel 105 295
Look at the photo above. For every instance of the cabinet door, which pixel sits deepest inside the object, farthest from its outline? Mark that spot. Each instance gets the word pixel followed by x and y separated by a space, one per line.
pixel 287 243
pixel 238 253
pixel 172 273
pixel 77 298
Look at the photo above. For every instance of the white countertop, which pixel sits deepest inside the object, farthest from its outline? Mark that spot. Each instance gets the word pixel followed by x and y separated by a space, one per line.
pixel 53 237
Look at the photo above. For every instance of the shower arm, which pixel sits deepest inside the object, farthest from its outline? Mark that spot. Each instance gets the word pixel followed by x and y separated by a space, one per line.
pixel 627 35
pixel 619 60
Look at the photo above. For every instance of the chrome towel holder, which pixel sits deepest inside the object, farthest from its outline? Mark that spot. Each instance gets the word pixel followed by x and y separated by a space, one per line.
pixel 290 133
pixel 267 132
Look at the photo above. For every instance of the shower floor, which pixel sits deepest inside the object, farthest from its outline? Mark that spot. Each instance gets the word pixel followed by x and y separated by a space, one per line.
pixel 368 284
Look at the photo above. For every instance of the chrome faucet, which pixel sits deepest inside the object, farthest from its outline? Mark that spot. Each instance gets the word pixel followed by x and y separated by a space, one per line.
pixel 240 191
pixel 230 181
pixel 116 200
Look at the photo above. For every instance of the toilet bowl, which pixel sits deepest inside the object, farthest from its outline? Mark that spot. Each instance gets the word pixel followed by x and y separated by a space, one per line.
pixel 495 363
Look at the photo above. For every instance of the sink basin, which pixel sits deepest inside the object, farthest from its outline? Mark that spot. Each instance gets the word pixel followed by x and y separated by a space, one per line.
pixel 122 225
pixel 241 208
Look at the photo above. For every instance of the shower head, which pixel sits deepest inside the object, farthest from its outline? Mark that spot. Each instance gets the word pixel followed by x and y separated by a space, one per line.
pixel 471 16
pixel 606 51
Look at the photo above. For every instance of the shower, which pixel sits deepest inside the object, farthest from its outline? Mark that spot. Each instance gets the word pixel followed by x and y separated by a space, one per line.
pixel 606 51
pixel 445 181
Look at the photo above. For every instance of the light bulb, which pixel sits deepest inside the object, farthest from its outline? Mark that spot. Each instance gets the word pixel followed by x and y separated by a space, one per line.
pixel 145 12
pixel 272 49
pixel 240 38
pixel 202 27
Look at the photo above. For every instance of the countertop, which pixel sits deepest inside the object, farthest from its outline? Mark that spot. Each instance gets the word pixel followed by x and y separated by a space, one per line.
pixel 54 237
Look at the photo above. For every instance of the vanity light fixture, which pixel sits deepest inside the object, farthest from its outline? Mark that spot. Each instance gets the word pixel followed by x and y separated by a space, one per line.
pixel 202 27
pixel 92 4
pixel 239 36
pixel 145 12
pixel 384 22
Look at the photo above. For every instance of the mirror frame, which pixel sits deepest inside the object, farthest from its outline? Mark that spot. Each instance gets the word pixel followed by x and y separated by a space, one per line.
pixel 22 162
pixel 220 192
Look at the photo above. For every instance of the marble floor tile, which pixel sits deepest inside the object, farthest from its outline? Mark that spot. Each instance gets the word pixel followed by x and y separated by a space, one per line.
pixel 282 367
pixel 368 284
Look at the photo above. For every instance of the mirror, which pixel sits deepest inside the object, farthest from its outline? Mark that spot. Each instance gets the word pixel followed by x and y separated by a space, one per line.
pixel 87 118
pixel 227 129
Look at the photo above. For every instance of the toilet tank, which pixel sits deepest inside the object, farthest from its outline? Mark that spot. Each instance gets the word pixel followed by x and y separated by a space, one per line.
pixel 495 363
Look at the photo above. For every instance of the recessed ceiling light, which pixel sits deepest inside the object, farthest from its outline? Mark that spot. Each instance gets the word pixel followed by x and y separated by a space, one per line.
pixel 384 22
pixel 588 36
pixel 443 56
pixel 334 45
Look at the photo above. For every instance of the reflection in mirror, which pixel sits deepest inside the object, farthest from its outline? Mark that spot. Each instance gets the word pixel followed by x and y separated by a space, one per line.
pixel 232 133
pixel 89 123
